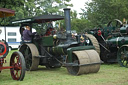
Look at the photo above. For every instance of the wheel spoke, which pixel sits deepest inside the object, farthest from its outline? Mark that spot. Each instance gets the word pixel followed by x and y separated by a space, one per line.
pixel 28 57
pixel 17 59
pixel 13 64
pixel 17 74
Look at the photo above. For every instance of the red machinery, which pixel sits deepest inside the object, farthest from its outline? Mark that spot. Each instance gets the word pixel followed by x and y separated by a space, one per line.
pixel 17 62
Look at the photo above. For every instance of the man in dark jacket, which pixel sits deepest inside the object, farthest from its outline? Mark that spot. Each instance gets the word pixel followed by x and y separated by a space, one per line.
pixel 27 34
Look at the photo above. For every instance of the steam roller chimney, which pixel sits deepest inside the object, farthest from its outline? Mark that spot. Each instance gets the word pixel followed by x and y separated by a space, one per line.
pixel 67 20
pixel 70 40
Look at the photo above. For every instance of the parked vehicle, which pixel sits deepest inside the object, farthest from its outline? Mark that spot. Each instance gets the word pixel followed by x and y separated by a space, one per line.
pixel 113 41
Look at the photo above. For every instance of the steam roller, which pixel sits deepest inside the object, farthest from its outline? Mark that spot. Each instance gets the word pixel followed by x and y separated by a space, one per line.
pixel 56 49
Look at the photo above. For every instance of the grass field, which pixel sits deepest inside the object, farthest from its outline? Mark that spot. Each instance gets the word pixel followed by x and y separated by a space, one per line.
pixel 108 75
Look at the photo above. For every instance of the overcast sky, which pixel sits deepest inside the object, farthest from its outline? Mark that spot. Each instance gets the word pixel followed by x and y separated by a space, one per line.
pixel 77 4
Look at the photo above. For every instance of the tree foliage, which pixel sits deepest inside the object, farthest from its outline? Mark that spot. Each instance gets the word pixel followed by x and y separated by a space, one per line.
pixel 79 25
pixel 52 6
pixel 30 8
pixel 100 12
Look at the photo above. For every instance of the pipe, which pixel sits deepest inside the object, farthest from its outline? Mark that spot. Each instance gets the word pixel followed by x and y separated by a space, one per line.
pixel 67 20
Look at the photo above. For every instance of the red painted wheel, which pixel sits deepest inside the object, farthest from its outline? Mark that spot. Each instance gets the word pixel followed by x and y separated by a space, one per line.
pixel 3 49
pixel 17 63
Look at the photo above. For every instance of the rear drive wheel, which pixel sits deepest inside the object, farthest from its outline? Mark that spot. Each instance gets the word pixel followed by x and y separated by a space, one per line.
pixel 94 42
pixel 30 51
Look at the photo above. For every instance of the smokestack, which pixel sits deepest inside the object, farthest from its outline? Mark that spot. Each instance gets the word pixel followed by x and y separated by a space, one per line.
pixel 67 20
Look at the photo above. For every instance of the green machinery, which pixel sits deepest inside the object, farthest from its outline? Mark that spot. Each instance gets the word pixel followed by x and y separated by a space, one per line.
pixel 113 41
pixel 54 49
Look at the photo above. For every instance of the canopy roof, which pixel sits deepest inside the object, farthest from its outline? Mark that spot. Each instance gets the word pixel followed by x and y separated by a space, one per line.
pixel 40 19
pixel 6 12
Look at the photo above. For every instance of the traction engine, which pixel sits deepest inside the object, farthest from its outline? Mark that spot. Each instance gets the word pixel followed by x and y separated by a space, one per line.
pixel 113 41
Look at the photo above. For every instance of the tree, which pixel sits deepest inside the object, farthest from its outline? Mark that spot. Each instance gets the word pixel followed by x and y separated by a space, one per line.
pixel 10 4
pixel 30 8
pixel 73 14
pixel 100 12
pixel 79 25
pixel 52 6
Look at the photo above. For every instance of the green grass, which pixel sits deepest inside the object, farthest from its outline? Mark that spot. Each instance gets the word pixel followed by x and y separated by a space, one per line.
pixel 108 75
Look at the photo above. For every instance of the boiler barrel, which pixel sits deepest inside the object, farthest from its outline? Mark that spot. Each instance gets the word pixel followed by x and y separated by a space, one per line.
pixel 63 50
pixel 56 50
pixel 118 41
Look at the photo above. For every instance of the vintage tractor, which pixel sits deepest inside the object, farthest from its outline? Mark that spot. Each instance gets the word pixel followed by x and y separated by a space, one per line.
pixel 113 41
pixel 17 62
pixel 54 49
